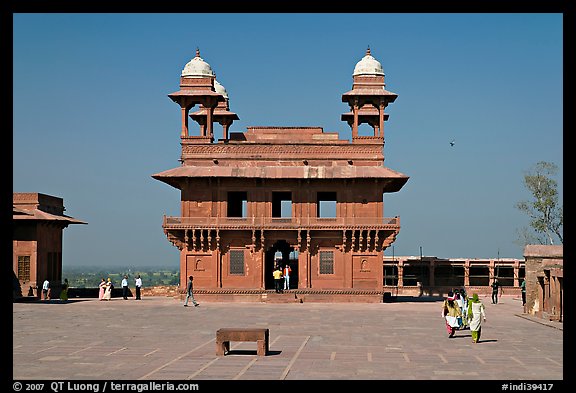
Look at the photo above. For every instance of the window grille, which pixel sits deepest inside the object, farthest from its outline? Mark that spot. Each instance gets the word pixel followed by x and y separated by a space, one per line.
pixel 237 262
pixel 24 267
pixel 326 262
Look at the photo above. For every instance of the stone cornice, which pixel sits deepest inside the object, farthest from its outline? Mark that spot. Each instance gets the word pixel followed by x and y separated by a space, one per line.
pixel 296 151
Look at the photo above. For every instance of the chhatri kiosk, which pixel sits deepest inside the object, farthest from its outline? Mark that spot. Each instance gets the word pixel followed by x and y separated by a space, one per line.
pixel 297 193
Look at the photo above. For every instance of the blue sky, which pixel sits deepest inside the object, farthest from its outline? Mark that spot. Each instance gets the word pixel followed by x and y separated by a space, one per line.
pixel 92 121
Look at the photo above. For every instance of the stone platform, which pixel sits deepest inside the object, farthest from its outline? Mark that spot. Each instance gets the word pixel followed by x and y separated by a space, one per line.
pixel 156 339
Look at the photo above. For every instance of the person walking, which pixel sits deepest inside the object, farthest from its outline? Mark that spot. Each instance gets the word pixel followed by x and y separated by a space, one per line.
pixel 523 288
pixel 46 290
pixel 464 308
pixel 451 312
pixel 125 287
pixel 476 315
pixel 138 283
pixel 190 292
pixel 495 287
pixel 102 289
pixel 286 273
pixel 277 279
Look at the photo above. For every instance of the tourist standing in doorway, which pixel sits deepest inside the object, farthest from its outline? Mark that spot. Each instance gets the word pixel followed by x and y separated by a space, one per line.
pixel 286 273
pixel 495 287
pixel 125 287
pixel 277 279
pixel 102 289
pixel 476 315
pixel 450 313
pixel 190 293
pixel 138 283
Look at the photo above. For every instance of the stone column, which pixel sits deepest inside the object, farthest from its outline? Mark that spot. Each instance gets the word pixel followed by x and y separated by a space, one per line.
pixel 184 122
pixel 381 122
pixel 400 273
pixel 355 125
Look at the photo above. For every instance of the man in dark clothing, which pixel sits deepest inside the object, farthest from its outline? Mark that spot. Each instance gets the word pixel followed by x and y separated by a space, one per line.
pixel 495 287
pixel 190 293
pixel 523 287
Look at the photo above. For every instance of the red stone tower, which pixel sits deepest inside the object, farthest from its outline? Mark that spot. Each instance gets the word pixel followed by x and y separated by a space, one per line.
pixel 368 98
pixel 298 192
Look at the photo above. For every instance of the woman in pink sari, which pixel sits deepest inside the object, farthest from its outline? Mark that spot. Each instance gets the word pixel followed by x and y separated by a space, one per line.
pixel 102 287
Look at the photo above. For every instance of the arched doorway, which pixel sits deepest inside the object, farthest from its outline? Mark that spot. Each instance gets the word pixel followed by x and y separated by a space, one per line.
pixel 283 252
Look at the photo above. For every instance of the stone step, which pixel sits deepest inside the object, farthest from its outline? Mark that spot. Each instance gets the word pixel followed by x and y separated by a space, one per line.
pixel 286 297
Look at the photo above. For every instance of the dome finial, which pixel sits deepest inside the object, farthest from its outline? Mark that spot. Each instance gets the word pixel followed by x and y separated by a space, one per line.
pixel 368 65
pixel 197 68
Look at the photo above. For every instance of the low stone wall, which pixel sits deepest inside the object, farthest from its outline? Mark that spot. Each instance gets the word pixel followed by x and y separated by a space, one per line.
pixel 162 290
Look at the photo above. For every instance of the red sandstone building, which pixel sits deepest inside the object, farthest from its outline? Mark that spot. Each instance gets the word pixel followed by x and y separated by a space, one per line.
pixel 545 281
pixel 38 222
pixel 298 194
pixel 432 276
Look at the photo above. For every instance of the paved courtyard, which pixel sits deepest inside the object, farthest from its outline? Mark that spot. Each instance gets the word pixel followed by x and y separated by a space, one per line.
pixel 158 339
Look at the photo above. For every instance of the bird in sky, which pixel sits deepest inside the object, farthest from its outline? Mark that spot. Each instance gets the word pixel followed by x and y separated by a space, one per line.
pixel 453 142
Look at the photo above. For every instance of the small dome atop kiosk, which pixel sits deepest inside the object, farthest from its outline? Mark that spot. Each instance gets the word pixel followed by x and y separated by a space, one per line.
pixel 197 68
pixel 220 89
pixel 368 66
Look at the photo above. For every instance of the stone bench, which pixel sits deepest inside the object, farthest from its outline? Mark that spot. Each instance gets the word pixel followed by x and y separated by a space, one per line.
pixel 225 335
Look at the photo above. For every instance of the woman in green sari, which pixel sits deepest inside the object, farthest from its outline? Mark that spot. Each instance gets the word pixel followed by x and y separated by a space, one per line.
pixel 64 292
pixel 476 315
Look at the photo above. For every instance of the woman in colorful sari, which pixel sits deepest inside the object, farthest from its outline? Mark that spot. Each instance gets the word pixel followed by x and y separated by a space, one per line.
pixel 476 315
pixel 450 313
pixel 102 287
pixel 108 290
pixel 464 308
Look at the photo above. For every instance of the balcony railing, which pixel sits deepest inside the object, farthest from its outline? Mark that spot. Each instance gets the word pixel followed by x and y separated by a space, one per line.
pixel 275 223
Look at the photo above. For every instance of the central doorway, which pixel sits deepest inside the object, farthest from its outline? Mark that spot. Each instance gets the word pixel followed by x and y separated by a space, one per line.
pixel 286 255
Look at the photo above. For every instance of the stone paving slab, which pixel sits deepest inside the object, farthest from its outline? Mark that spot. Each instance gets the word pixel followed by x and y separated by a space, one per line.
pixel 156 339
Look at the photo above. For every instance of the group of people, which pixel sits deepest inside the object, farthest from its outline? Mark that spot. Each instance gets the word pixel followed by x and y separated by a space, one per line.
pixel 106 287
pixel 281 278
pixel 461 312
pixel 47 290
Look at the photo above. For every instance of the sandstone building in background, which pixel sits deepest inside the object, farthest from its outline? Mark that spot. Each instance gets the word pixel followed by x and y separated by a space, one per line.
pixel 38 222
pixel 296 196
pixel 545 281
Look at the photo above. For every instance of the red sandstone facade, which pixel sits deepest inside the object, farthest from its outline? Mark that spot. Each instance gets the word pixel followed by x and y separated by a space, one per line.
pixel 298 193
pixel 433 276
pixel 545 281
pixel 38 224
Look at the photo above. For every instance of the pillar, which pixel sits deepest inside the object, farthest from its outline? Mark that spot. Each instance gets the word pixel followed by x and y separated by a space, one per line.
pixel 355 125
pixel 381 122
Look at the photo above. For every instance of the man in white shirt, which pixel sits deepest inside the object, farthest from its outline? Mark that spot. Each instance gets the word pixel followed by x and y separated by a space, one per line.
pixel 138 283
pixel 125 287
pixel 46 290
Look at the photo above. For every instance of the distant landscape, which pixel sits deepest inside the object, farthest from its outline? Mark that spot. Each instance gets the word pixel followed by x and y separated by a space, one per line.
pixel 89 277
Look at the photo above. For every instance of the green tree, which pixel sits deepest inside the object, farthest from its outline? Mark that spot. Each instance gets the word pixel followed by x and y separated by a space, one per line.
pixel 546 214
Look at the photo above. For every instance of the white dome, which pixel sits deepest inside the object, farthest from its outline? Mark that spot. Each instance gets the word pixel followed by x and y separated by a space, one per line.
pixel 220 89
pixel 368 66
pixel 197 68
